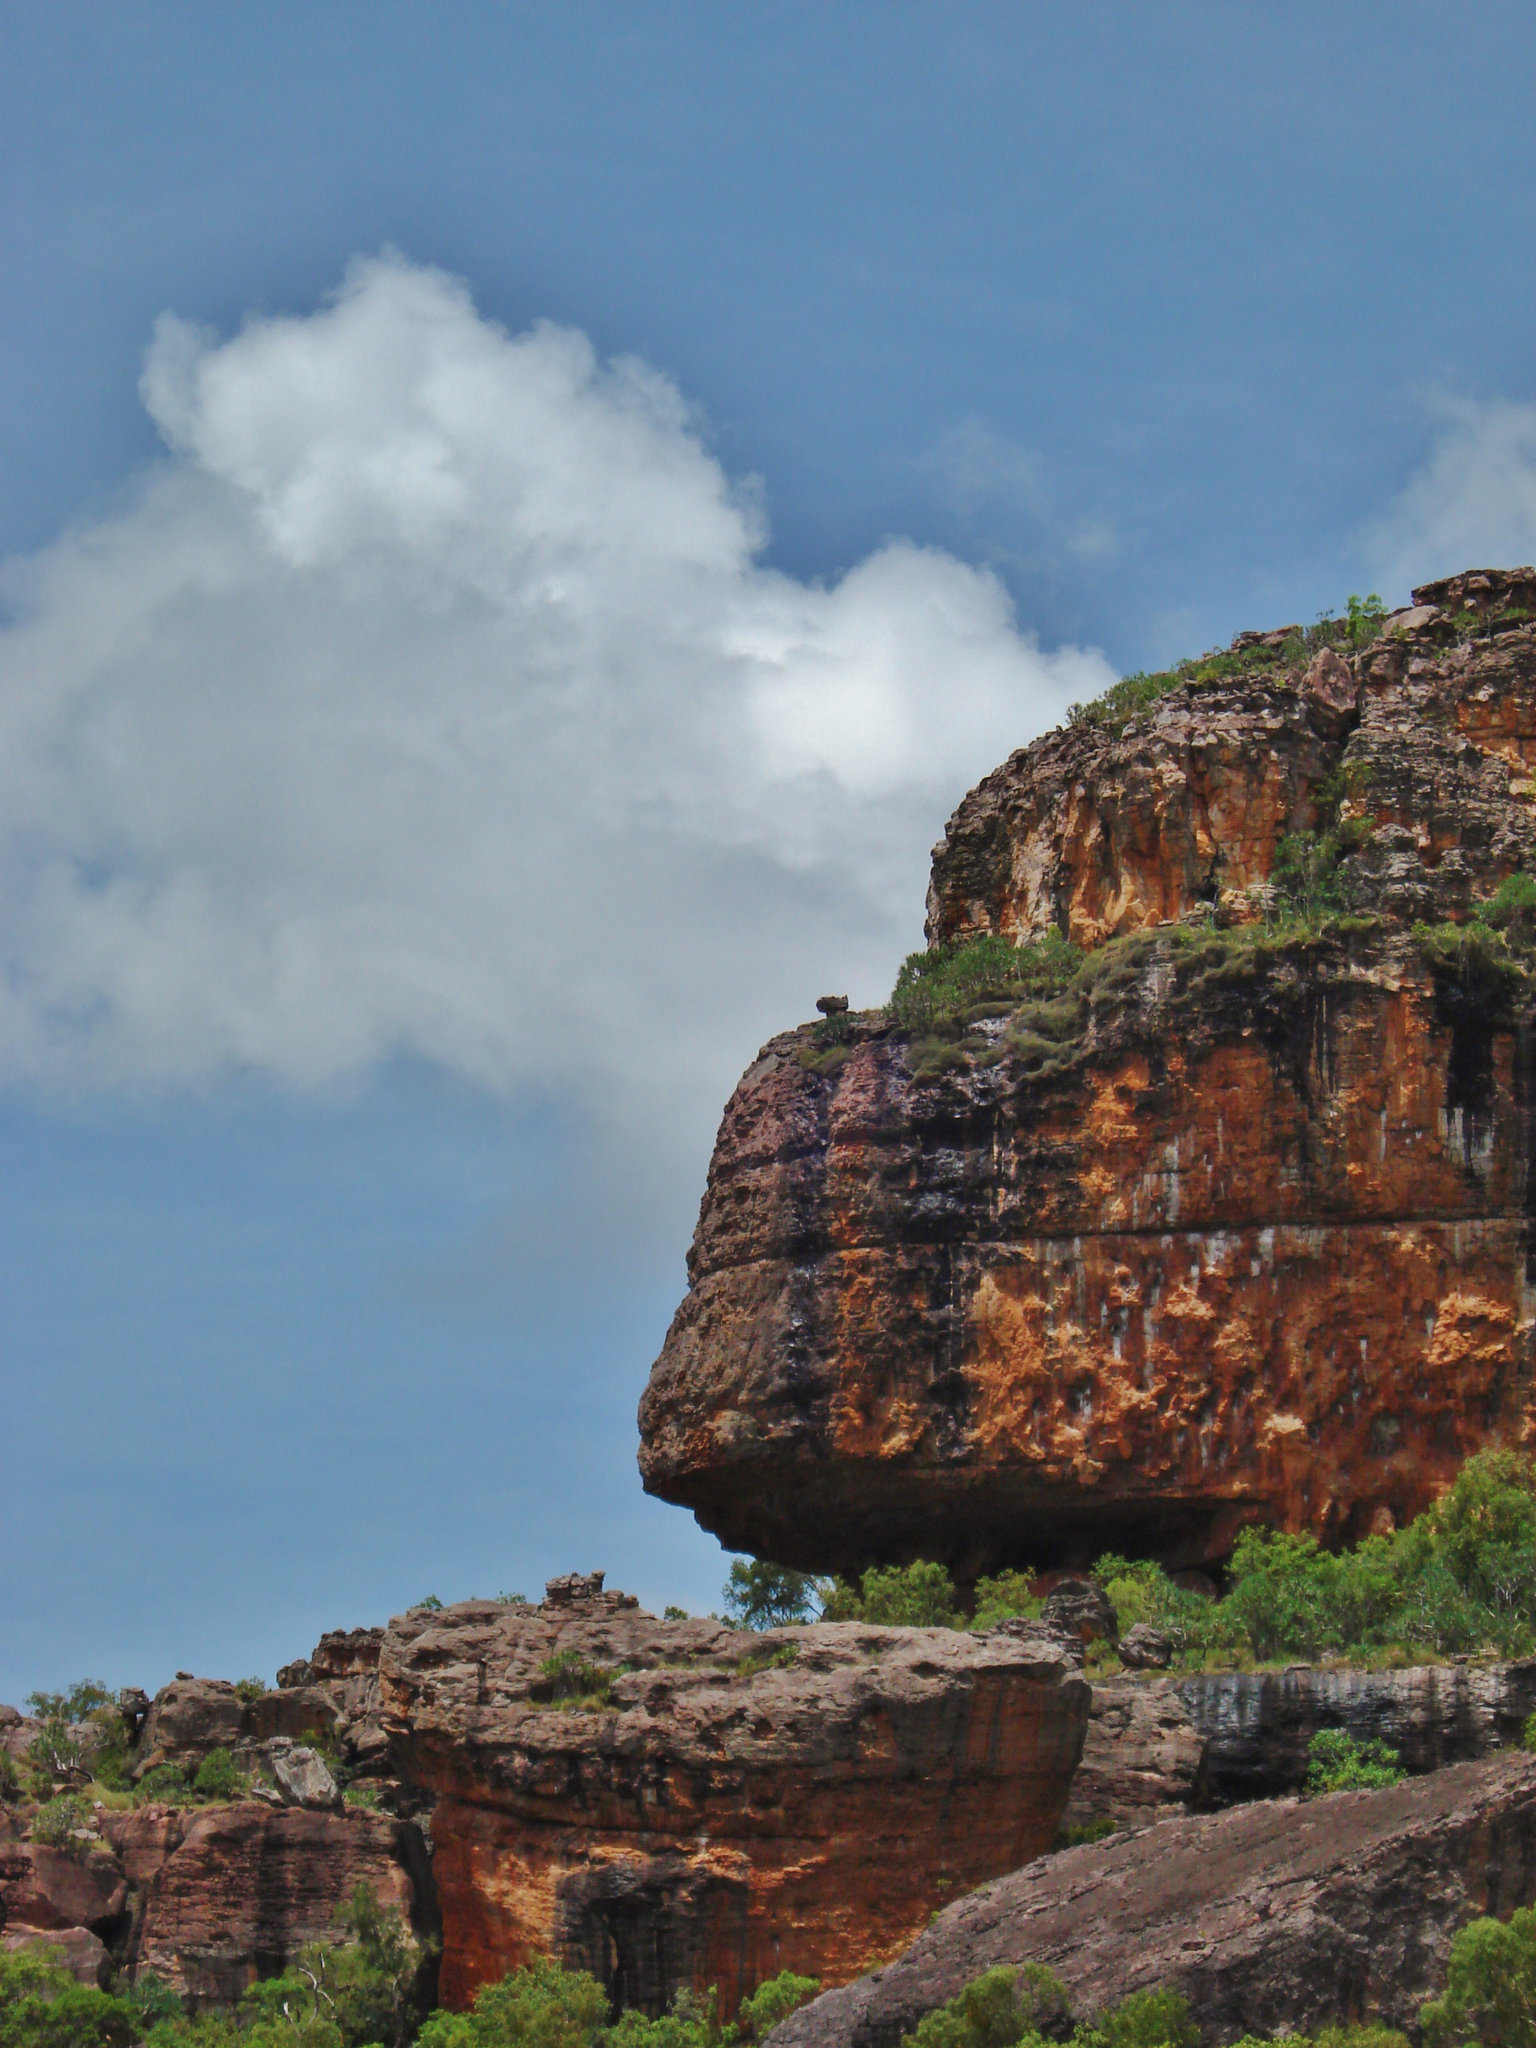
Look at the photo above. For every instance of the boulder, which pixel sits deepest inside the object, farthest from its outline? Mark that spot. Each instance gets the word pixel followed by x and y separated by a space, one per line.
pixel 1082 1608
pixel 678 1804
pixel 301 1775
pixel 47 1889
pixel 1271 1918
pixel 1145 1648
pixel 1332 694
pixel 75 1949
pixel 186 1719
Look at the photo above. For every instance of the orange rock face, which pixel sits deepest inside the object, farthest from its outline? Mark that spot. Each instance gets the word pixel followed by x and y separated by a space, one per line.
pixel 1245 1235
pixel 731 1805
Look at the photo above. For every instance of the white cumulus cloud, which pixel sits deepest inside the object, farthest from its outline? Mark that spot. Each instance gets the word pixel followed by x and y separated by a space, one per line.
pixel 1472 505
pixel 431 697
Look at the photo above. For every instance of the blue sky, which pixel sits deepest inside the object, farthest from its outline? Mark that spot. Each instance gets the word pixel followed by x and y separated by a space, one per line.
pixel 437 748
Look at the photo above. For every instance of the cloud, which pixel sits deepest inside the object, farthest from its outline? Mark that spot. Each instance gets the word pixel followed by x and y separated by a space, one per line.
pixel 988 480
pixel 431 698
pixel 1472 505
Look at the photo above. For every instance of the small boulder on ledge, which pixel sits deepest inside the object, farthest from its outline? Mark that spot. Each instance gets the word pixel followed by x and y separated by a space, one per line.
pixel 301 1776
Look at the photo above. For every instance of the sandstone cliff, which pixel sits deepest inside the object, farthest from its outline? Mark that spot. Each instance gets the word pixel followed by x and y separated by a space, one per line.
pixel 1235 1227
pixel 673 1804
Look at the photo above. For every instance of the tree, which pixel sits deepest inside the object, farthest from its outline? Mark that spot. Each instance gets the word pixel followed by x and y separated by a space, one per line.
pixel 41 2006
pixel 1490 1992
pixel 763 1595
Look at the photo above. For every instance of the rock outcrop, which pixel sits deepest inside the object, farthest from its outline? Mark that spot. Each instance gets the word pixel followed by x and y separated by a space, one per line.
pixel 208 1897
pixel 1271 1918
pixel 1237 1227
pixel 1255 1726
pixel 223 1895
pixel 1143 1756
pixel 675 1804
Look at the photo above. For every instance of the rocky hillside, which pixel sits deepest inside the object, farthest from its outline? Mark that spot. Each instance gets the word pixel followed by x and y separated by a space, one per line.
pixel 1226 1215
pixel 669 1804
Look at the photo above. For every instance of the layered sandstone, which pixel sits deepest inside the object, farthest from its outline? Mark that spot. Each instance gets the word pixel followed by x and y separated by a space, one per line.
pixel 674 1804
pixel 1272 1918
pixel 1236 1228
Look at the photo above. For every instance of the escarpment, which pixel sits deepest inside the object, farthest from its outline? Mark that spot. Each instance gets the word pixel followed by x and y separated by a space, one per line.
pixel 1234 1225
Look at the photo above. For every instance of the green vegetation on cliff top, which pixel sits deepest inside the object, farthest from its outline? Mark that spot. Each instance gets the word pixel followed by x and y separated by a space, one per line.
pixel 1460 1579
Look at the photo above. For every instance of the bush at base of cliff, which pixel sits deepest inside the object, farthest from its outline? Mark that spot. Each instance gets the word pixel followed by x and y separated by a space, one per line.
pixel 1336 1762
pixel 545 2005
pixel 41 2006
pixel 1460 1578
pixel 920 1595
pixel 1490 1993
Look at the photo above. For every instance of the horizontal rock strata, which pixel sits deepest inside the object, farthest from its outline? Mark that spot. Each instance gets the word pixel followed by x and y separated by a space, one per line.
pixel 708 1807
pixel 1270 1918
pixel 1233 1230
pixel 1256 1726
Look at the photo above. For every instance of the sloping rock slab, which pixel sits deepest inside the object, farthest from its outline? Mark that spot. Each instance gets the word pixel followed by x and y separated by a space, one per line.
pixel 1270 1917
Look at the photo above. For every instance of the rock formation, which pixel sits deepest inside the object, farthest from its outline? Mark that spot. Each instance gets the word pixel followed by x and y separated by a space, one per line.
pixel 675 1803
pixel 1234 1228
pixel 1270 1918
pixel 210 1897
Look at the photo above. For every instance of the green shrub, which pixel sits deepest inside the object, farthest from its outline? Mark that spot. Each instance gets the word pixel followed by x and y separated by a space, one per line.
pixel 940 986
pixel 1490 1993
pixel 164 1784
pixel 1140 1590
pixel 55 1823
pixel 570 1680
pixel 1336 1762
pixel 541 2005
pixel 920 1595
pixel 763 1595
pixel 1090 1831
pixel 249 1689
pixel 1364 619
pixel 671 1613
pixel 218 1777
pixel 41 2006
pixel 1003 1596
pixel 1146 2019
pixel 10 1777
pixel 1000 2009
pixel 774 2000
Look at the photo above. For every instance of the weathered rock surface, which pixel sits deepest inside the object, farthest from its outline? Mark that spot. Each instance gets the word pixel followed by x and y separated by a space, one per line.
pixel 718 1806
pixel 1235 1231
pixel 191 1716
pixel 224 1894
pixel 1143 1755
pixel 1272 1917
pixel 1256 1725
